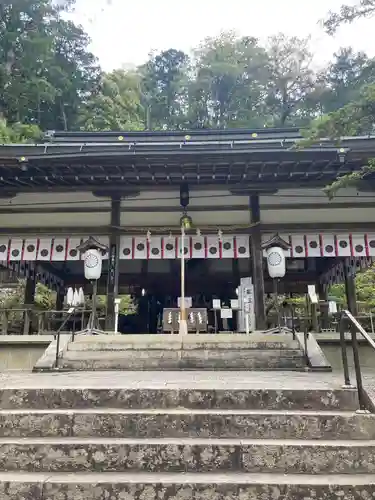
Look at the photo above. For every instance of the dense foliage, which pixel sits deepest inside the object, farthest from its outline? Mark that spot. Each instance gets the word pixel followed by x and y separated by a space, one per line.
pixel 50 80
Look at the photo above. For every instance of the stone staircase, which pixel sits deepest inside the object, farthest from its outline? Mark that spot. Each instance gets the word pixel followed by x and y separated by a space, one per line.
pixel 176 436
pixel 190 352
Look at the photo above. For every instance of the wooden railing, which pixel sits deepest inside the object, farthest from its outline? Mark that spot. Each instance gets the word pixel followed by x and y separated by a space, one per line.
pixel 31 321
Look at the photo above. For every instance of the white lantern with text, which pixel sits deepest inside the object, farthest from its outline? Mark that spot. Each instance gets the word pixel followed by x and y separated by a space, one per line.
pixel 276 262
pixel 93 251
pixel 275 249
pixel 93 264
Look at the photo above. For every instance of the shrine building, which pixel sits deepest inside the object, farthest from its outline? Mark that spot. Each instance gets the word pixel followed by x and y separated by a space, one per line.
pixel 238 188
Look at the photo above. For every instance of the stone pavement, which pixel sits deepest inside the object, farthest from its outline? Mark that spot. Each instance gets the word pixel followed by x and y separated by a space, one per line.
pixel 182 380
pixel 178 380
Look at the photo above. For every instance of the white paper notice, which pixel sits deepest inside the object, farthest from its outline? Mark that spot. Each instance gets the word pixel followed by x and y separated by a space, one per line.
pixel 235 304
pixel 332 307
pixel 216 304
pixel 226 313
pixel 188 302
pixel 312 294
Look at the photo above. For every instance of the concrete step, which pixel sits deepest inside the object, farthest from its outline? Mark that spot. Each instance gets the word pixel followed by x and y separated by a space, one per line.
pixel 187 455
pixel 187 423
pixel 65 390
pixel 177 486
pixel 186 359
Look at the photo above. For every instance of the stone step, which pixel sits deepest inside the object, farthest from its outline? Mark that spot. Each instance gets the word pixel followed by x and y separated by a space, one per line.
pixel 136 394
pixel 177 486
pixel 179 342
pixel 187 423
pixel 189 359
pixel 187 455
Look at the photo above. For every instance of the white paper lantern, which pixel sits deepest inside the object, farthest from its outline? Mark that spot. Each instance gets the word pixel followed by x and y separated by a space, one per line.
pixel 75 298
pixel 81 296
pixel 70 296
pixel 93 264
pixel 276 262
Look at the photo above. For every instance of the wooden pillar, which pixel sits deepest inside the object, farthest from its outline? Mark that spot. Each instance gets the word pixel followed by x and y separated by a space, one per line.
pixel 323 305
pixel 60 296
pixel 350 288
pixel 61 290
pixel 236 273
pixel 113 262
pixel 29 300
pixel 29 297
pixel 257 264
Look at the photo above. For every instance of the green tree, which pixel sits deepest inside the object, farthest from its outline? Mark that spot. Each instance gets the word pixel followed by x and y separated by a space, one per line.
pixel 344 78
pixel 229 84
pixel 356 117
pixel 117 106
pixel 45 68
pixel 164 79
pixel 18 133
pixel 73 73
pixel 290 81
pixel 365 289
pixel 23 51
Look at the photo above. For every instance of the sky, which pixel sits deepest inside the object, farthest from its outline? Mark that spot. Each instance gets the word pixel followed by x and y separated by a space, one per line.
pixel 124 32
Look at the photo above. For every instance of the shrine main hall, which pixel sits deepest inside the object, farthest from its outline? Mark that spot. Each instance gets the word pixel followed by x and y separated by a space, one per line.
pixel 237 189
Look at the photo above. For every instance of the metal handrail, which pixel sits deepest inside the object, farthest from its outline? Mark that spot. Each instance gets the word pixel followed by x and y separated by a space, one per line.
pixel 70 312
pixel 354 327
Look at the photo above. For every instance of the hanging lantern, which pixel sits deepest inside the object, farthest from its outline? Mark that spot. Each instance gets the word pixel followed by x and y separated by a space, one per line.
pixel 184 195
pixel 275 253
pixel 186 221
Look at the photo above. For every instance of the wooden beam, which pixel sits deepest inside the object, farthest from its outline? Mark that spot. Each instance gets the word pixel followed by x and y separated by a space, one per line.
pixel 113 263
pixel 101 208
pixel 290 228
pixel 166 283
pixel 113 186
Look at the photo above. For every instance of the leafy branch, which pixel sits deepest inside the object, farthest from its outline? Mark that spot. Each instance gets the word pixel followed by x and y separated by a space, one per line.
pixel 357 117
pixel 347 14
pixel 349 180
